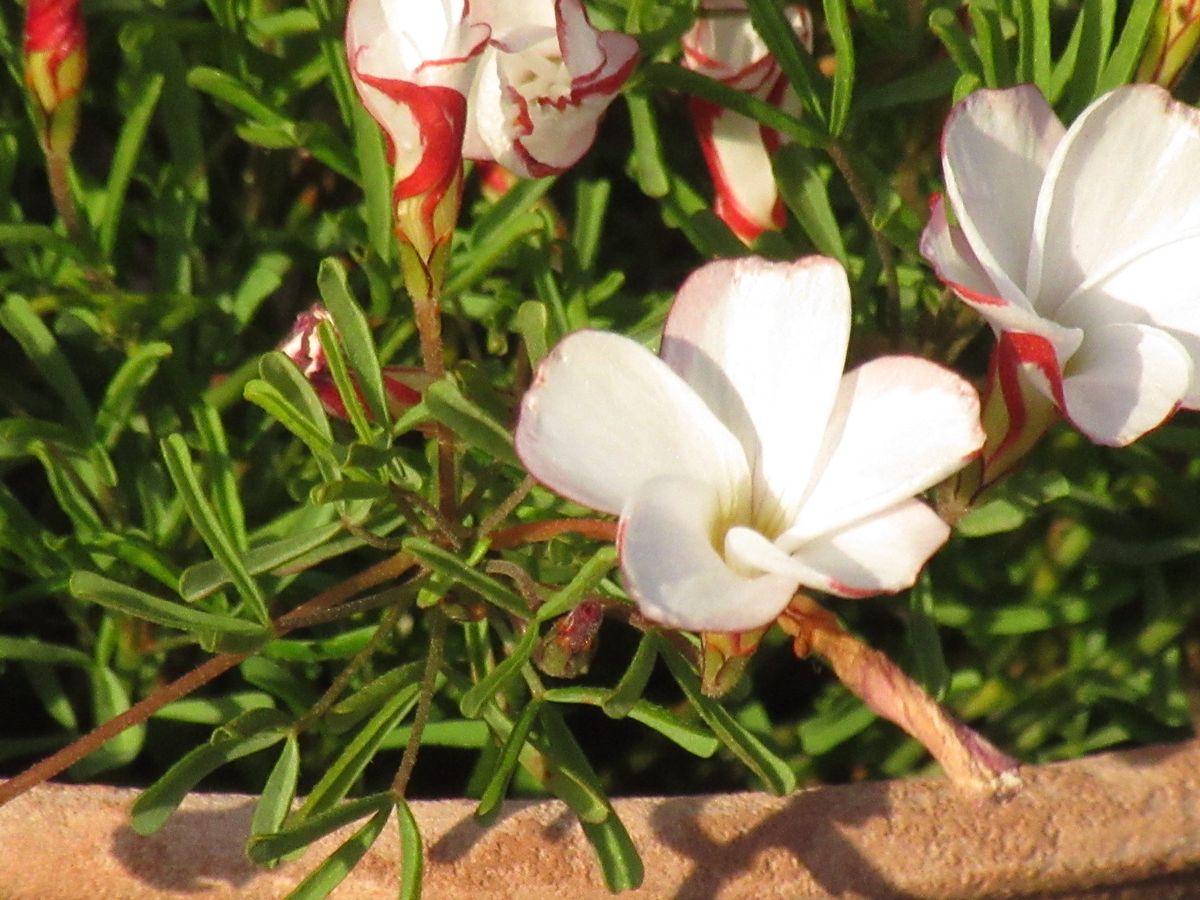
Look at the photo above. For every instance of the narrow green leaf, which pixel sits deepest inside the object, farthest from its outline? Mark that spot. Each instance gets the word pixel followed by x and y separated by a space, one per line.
pixel 18 319
pixel 447 404
pixel 263 849
pixel 822 733
pixel 946 27
pixel 1123 63
pixel 774 772
pixel 837 21
pixel 331 20
pixel 121 395
pixel 993 50
pixel 931 667
pixel 344 771
pixel 591 203
pixel 227 502
pixel 114 595
pixel 506 765
pixel 532 322
pixel 110 699
pixel 213 711
pixel 696 740
pixel 352 328
pixel 376 178
pixel 649 163
pixel 179 465
pixel 807 195
pixel 262 278
pixel 330 873
pixel 347 713
pixel 633 683
pixel 590 574
pixel 493 682
pixel 200 580
pixel 412 859
pixel 346 386
pixel 450 566
pixel 572 777
pixel 256 730
pixel 618 856
pixel 280 790
pixel 129 146
pixel 1096 21
pixel 793 57
pixel 51 692
pixel 39 651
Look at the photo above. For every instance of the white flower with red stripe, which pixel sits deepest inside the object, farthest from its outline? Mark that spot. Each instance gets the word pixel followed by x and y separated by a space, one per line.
pixel 742 463
pixel 543 84
pixel 1078 246
pixel 724 46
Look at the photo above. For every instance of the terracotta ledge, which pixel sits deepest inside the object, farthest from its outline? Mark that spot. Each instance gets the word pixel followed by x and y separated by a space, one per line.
pixel 1121 824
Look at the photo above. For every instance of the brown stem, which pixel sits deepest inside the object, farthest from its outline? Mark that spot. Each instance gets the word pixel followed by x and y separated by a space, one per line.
pixel 967 758
pixel 433 664
pixel 533 532
pixel 45 769
pixel 890 320
pixel 58 167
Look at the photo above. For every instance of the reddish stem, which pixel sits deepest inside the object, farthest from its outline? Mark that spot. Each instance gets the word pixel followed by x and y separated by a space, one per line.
pixel 534 532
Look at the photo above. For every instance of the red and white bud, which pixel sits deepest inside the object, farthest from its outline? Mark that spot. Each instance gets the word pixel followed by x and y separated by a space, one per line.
pixel 1174 37
pixel 55 50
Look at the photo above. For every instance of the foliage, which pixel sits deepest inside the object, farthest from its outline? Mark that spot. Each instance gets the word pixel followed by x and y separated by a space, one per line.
pixel 172 487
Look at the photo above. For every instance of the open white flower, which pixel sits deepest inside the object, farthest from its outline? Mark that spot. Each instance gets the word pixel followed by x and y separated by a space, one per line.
pixel 542 85
pixel 1079 247
pixel 742 463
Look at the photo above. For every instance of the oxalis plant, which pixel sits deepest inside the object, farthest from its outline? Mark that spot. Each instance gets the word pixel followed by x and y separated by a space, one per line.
pixel 834 379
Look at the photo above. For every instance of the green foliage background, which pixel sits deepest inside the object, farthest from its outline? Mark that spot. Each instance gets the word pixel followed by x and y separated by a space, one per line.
pixel 169 485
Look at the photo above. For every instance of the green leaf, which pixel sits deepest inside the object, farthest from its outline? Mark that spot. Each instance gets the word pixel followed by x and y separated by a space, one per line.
pixel 214 710
pixel 250 733
pixel 616 852
pixel 494 681
pixel 510 754
pixel 280 790
pixel 263 849
pixel 347 713
pixel 931 667
pixel 1095 37
pixel 993 51
pixel 946 27
pixel 695 740
pixel 110 699
pixel 591 203
pixel 821 733
pixel 412 859
pixel 18 319
pixel 649 164
pixel 129 146
pixel 807 196
pixel 121 395
pixel 447 404
pixel 114 595
pixel 532 322
pixel 200 580
pixel 774 772
pixel 287 396
pixel 590 574
pixel 352 328
pixel 376 178
pixel 330 873
pixel 1123 63
pixel 837 21
pixel 793 57
pixel 346 386
pixel 227 502
pixel 633 683
pixel 344 771
pixel 450 566
pixel 208 524
pixel 39 651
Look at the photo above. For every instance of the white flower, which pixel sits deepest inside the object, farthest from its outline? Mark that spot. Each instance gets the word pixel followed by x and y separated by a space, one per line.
pixel 1079 247
pixel 542 85
pixel 738 150
pixel 742 463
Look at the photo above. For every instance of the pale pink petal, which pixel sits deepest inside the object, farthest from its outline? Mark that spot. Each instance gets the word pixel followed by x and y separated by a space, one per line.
pixel 881 554
pixel 1122 183
pixel 764 344
pixel 1124 380
pixel 605 415
pixel 995 150
pixel 676 575
pixel 900 425
pixel 1160 287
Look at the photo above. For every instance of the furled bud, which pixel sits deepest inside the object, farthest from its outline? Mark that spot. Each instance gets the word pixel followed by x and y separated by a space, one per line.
pixel 55 68
pixel 567 649
pixel 1174 36
pixel 724 657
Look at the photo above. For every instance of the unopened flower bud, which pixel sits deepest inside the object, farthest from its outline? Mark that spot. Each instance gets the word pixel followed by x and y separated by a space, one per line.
pixel 567 649
pixel 1174 36
pixel 724 657
pixel 55 67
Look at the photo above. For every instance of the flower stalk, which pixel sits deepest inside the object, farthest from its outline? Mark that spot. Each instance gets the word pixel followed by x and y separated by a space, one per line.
pixel 968 759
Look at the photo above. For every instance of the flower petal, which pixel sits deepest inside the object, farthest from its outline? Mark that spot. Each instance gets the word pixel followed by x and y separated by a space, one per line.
pixel 995 150
pixel 764 343
pixel 881 554
pixel 605 415
pixel 1125 380
pixel 673 571
pixel 1122 182
pixel 876 555
pixel 900 425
